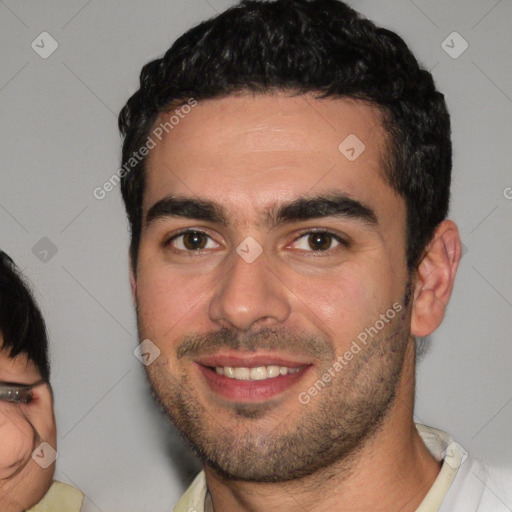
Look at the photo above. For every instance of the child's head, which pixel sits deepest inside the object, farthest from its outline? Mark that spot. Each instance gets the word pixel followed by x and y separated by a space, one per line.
pixel 27 423
pixel 21 324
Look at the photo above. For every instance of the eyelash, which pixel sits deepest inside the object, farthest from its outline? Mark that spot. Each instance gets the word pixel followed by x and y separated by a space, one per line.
pixel 168 242
pixel 343 243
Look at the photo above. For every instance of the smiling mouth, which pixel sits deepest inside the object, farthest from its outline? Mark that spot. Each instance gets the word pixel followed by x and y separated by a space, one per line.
pixel 256 373
pixel 244 384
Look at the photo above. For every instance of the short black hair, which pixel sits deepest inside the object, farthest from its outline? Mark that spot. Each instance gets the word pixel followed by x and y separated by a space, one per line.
pixel 21 323
pixel 304 46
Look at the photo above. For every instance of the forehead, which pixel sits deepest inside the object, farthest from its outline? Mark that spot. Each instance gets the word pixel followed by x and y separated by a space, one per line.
pixel 249 151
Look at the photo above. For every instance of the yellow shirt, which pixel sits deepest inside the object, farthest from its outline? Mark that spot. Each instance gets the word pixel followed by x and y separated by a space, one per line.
pixel 60 498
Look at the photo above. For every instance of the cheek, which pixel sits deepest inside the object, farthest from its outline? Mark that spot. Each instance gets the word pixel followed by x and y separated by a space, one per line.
pixel 16 437
pixel 42 418
pixel 345 302
pixel 167 302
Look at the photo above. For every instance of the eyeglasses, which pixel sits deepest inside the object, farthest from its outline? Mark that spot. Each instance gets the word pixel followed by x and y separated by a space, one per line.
pixel 17 393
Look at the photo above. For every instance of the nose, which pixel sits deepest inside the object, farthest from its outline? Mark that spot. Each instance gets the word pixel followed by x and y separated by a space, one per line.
pixel 250 294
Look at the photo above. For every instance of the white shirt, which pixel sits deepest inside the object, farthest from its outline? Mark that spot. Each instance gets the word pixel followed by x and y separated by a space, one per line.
pixel 463 484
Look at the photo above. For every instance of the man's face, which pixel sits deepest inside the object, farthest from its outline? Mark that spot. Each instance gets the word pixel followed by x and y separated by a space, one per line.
pixel 277 250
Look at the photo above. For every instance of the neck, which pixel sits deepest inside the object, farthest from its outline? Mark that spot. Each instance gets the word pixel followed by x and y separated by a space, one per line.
pixel 392 471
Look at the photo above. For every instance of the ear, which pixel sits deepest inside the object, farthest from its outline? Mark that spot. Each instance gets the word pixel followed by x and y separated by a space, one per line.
pixel 133 281
pixel 435 278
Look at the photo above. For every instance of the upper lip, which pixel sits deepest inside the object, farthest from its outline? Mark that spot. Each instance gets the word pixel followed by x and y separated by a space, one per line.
pixel 250 360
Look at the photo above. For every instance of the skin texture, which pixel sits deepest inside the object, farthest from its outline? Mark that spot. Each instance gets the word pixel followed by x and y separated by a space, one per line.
pixel 23 427
pixel 354 445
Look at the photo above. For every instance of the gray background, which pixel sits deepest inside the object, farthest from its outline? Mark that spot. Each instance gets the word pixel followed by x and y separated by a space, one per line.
pixel 58 131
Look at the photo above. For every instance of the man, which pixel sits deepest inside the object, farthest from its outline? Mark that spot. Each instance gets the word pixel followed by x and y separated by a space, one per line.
pixel 27 423
pixel 286 174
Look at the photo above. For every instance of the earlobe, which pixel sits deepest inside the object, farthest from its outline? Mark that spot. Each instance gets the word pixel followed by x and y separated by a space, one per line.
pixel 435 279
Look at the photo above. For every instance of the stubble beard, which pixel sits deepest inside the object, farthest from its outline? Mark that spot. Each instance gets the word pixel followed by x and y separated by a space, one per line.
pixel 328 431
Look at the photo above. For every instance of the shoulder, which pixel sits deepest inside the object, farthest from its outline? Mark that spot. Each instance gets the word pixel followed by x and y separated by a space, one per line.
pixel 468 485
pixel 60 497
pixel 497 487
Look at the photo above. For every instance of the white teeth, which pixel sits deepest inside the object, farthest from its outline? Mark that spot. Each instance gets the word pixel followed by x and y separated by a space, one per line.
pixel 256 373
pixel 272 371
pixel 259 373
pixel 242 373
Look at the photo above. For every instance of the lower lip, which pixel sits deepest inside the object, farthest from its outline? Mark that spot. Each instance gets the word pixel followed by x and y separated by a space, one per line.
pixel 250 390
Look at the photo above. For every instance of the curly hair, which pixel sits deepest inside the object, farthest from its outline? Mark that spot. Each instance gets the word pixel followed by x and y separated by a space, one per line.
pixel 322 47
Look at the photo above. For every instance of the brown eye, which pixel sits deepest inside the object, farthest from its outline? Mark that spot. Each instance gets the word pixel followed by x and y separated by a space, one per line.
pixel 320 241
pixel 190 241
pixel 194 240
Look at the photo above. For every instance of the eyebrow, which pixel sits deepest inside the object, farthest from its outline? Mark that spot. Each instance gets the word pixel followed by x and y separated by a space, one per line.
pixel 305 208
pixel 188 208
pixel 335 205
